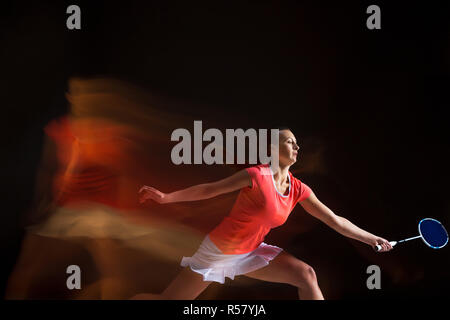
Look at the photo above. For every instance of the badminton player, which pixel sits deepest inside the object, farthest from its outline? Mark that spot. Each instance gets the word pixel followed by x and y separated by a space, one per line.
pixel 236 247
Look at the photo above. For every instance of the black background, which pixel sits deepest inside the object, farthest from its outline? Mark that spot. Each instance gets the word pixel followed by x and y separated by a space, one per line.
pixel 375 98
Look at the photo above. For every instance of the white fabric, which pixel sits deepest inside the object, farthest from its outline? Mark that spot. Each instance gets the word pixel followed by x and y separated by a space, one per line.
pixel 91 220
pixel 210 262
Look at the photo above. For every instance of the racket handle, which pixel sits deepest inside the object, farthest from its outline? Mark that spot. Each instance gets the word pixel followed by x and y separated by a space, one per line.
pixel 393 243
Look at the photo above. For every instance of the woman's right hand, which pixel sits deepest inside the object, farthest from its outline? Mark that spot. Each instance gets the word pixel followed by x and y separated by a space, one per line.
pixel 147 192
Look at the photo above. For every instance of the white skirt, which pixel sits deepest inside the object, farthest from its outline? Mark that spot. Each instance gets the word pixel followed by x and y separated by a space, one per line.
pixel 210 262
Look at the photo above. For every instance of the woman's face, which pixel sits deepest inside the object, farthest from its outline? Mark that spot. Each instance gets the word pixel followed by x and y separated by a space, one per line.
pixel 288 148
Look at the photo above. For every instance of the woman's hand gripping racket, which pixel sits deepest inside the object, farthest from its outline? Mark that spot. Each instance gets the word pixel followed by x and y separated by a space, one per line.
pixel 431 231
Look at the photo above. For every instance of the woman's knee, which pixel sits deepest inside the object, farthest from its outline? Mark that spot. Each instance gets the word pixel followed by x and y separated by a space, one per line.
pixel 305 276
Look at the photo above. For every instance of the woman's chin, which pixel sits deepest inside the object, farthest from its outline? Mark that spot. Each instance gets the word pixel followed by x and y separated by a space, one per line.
pixel 292 161
pixel 288 161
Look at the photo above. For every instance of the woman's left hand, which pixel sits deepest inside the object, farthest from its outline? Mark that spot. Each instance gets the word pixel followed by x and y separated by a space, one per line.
pixel 385 245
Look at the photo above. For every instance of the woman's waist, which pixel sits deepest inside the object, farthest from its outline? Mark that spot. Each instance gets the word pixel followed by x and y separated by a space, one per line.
pixel 237 240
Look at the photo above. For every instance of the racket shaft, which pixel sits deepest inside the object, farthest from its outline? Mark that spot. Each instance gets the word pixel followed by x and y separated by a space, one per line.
pixel 409 239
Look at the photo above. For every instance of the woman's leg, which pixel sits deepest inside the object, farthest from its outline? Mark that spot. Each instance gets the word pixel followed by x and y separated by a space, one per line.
pixel 285 268
pixel 187 285
pixel 112 282
pixel 31 265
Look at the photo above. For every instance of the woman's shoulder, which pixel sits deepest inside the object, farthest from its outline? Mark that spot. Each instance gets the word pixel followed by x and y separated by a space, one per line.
pixel 295 179
pixel 301 189
pixel 259 170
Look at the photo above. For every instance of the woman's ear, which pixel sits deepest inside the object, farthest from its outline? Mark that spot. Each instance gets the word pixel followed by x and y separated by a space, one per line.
pixel 274 148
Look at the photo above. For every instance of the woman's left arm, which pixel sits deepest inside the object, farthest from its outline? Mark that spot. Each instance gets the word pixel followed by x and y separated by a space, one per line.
pixel 317 209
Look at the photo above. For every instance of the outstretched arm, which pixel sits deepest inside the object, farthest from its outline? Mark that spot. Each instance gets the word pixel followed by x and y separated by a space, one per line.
pixel 317 209
pixel 234 182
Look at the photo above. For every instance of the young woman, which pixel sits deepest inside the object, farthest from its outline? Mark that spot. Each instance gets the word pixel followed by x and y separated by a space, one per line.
pixel 236 247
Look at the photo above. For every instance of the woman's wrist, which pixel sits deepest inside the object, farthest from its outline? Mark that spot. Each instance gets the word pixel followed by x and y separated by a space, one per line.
pixel 350 230
pixel 168 197
pixel 371 240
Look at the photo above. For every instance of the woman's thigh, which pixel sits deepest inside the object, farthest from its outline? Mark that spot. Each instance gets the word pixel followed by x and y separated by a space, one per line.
pixel 187 285
pixel 285 268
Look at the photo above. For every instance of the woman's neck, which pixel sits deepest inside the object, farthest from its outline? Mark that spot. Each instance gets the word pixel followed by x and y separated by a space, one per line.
pixel 281 175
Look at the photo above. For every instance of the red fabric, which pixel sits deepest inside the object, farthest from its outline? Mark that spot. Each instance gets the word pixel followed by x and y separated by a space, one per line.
pixel 90 156
pixel 257 210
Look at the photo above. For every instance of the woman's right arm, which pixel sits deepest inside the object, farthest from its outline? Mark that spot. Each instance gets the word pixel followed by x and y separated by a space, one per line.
pixel 203 191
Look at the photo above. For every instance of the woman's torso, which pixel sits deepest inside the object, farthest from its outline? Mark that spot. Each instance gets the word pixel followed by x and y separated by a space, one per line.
pixel 257 210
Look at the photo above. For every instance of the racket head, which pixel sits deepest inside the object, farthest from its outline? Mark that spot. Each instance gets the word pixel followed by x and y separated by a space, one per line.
pixel 433 233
